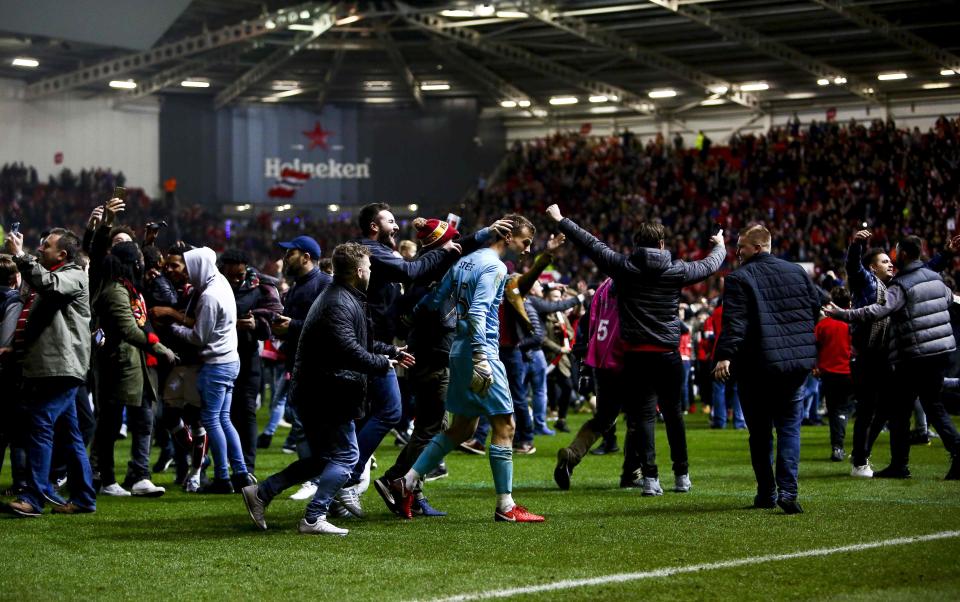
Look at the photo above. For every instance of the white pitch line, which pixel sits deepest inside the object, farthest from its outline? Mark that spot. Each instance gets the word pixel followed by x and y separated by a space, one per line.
pixel 677 570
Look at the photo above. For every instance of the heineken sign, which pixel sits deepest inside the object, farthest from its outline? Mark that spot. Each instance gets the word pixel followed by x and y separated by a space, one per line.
pixel 330 169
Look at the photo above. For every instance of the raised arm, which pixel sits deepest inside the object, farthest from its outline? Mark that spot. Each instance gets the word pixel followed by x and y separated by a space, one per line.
pixel 695 271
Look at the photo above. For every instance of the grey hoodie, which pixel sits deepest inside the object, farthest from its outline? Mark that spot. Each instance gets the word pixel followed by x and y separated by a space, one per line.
pixel 215 329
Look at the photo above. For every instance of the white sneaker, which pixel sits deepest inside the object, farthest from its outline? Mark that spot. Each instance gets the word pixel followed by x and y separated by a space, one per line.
pixel 284 424
pixel 191 484
pixel 305 492
pixel 682 484
pixel 350 498
pixel 145 488
pixel 114 489
pixel 651 486
pixel 320 527
pixel 864 472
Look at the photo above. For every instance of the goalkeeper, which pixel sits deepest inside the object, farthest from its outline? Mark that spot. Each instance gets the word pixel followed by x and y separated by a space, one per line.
pixel 478 380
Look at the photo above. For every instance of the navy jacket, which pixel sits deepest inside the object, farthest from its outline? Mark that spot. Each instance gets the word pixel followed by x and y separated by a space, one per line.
pixel 305 290
pixel 335 355
pixel 770 307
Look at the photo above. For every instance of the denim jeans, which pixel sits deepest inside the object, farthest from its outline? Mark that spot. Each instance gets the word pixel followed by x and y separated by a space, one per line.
pixel 215 384
pixel 512 359
pixel 811 399
pixel 385 411
pixel 332 457
pixel 774 403
pixel 278 402
pixel 718 411
pixel 140 429
pixel 535 377
pixel 46 404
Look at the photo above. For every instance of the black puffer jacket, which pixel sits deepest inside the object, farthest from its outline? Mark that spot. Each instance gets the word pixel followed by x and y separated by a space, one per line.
pixel 336 353
pixel 648 282
pixel 770 307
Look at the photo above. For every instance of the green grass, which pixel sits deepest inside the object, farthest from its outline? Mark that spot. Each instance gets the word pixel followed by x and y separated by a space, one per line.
pixel 204 547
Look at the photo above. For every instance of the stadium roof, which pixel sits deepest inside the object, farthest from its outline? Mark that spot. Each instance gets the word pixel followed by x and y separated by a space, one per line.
pixel 652 56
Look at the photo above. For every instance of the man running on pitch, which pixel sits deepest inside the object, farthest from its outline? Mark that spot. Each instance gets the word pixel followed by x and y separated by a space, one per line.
pixel 478 380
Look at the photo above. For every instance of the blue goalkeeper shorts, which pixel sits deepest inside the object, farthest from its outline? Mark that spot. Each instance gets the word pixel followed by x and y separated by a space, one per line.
pixel 461 400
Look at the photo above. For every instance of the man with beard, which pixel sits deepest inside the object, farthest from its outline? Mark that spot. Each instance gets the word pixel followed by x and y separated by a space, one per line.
pixel 307 283
pixel 257 303
pixel 336 354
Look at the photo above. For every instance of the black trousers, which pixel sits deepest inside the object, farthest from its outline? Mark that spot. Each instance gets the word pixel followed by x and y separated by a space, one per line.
pixel 655 378
pixel 611 394
pixel 139 429
pixel 919 378
pixel 559 392
pixel 837 390
pixel 243 408
pixel 871 393
pixel 429 390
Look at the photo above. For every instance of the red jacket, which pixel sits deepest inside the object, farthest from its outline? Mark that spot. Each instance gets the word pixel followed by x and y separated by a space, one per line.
pixel 833 346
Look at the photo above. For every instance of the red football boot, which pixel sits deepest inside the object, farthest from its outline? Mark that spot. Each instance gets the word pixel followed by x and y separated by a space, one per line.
pixel 518 514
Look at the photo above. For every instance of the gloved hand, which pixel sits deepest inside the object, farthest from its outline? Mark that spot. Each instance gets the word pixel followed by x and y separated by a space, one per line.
pixel 163 352
pixel 482 375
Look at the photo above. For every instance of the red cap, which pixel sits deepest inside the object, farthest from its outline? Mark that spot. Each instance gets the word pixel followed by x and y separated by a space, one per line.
pixel 433 232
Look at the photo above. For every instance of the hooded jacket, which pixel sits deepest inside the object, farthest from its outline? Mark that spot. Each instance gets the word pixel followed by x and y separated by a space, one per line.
pixel 648 284
pixel 215 328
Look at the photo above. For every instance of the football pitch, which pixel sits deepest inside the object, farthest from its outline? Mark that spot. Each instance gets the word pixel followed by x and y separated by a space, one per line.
pixel 859 539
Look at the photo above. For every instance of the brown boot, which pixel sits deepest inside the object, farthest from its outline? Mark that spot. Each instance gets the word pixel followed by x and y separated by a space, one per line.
pixel 71 508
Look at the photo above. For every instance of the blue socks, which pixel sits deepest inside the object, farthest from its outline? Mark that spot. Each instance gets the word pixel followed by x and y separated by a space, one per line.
pixel 501 464
pixel 433 454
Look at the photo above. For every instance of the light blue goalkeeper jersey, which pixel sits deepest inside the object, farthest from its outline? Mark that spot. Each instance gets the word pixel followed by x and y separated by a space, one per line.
pixel 476 285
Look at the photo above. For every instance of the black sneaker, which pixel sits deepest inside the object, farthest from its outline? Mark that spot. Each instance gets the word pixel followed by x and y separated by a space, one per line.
pixel 561 474
pixel 790 506
pixel 163 462
pixel 217 486
pixel 763 503
pixel 440 472
pixel 893 472
pixel 919 437
pixel 240 480
pixel 954 473
pixel 264 440
pixel 561 426
pixel 838 455
pixel 382 485
pixel 632 480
